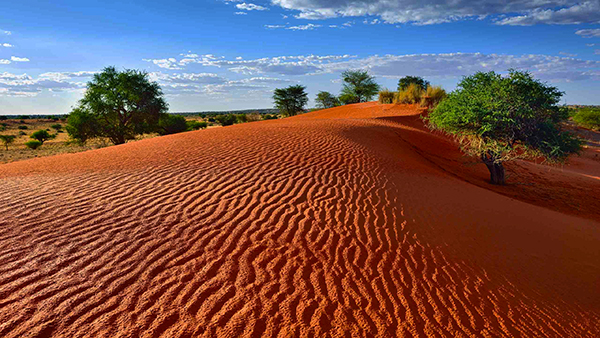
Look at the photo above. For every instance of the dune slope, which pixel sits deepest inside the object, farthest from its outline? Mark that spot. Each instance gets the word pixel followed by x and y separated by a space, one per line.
pixel 348 222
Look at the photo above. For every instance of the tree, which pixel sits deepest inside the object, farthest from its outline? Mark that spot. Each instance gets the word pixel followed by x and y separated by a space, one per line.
pixel 326 100
pixel 407 80
pixel 7 139
pixel 171 124
pixel 42 136
pixel 117 105
pixel 499 119
pixel 291 100
pixel 359 86
pixel 226 119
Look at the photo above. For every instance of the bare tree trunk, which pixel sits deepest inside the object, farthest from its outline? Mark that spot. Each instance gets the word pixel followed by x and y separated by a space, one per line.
pixel 496 170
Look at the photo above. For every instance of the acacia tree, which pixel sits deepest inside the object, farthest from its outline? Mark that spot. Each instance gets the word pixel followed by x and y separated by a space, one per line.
pixel 291 100
pixel 7 139
pixel 117 105
pixel 326 100
pixel 42 136
pixel 359 86
pixel 407 80
pixel 499 119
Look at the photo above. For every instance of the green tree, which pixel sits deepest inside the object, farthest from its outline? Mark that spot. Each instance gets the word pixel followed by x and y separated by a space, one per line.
pixel 33 144
pixel 42 136
pixel 171 124
pixel 358 86
pixel 499 119
pixel 326 100
pixel 407 80
pixel 7 139
pixel 226 119
pixel 291 100
pixel 118 105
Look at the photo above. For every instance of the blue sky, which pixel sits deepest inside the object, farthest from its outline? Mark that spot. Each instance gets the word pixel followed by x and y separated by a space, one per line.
pixel 219 55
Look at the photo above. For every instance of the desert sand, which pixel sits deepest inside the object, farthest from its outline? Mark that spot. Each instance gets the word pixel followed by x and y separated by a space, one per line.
pixel 348 222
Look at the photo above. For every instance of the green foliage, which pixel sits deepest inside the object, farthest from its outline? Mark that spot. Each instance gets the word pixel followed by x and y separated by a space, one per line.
pixel 241 118
pixel 253 117
pixel 417 80
pixel 588 118
pixel 291 100
pixel 7 139
pixel 386 96
pixel 57 126
pixel 23 127
pixel 433 96
pixel 270 117
pixel 23 117
pixel 3 117
pixel 171 124
pixel 326 100
pixel 358 86
pixel 196 125
pixel 22 133
pixel 82 126
pixel 501 118
pixel 42 136
pixel 33 144
pixel 226 119
pixel 410 95
pixel 119 105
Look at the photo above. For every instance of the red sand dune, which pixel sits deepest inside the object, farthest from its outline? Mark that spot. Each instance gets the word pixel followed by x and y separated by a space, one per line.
pixel 348 222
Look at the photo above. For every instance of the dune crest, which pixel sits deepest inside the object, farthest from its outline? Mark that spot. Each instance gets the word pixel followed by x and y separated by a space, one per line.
pixel 352 221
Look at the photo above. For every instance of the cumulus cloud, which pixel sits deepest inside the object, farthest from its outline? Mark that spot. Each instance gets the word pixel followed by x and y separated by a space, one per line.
pixel 25 85
pixel 18 59
pixel 517 12
pixel 307 27
pixel 250 7
pixel 6 45
pixel 589 33
pixel 4 62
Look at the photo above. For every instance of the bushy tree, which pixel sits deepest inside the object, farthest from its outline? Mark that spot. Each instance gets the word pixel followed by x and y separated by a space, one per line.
pixel 417 80
pixel 196 125
pixel 501 118
pixel 118 105
pixel 326 100
pixel 291 100
pixel 42 136
pixel 7 139
pixel 226 119
pixel 358 86
pixel 33 144
pixel 171 124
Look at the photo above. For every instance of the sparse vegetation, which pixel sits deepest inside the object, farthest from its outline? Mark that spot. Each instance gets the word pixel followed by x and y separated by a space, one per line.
pixel 171 124
pixel 499 119
pixel 23 127
pixel 410 95
pixel 118 105
pixel 326 100
pixel 226 119
pixel 433 96
pixel 196 125
pixel 7 139
pixel 386 96
pixel 358 86
pixel 57 126
pixel 291 100
pixel 33 144
pixel 588 118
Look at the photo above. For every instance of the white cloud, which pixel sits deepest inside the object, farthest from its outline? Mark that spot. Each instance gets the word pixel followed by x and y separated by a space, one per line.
pixel 250 7
pixel 7 45
pixel 4 62
pixel 307 27
pixel 18 59
pixel 517 12
pixel 590 44
pixel 274 26
pixel 5 32
pixel 589 33
pixel 567 54
pixel 25 85
pixel 240 13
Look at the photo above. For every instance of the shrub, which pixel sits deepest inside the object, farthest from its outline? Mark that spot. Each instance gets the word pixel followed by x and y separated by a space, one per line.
pixel 433 96
pixel 22 133
pixel 23 127
pixel 171 124
pixel 499 119
pixel 270 117
pixel 42 136
pixel 57 126
pixel 33 144
pixel 226 119
pixel 588 118
pixel 241 118
pixel 3 117
pixel 417 80
pixel 23 117
pixel 196 125
pixel 386 96
pixel 212 119
pixel 412 94
pixel 348 98
pixel 253 117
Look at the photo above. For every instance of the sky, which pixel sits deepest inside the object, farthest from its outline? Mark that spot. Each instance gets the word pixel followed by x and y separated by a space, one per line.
pixel 226 55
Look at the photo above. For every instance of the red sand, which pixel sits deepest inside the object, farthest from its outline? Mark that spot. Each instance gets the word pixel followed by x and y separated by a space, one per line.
pixel 352 221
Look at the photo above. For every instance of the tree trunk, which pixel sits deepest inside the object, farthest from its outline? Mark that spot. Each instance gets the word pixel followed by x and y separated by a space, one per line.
pixel 496 171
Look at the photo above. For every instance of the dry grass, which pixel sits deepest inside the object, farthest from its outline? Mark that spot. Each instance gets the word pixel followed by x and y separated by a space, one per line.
pixel 412 94
pixel 386 96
